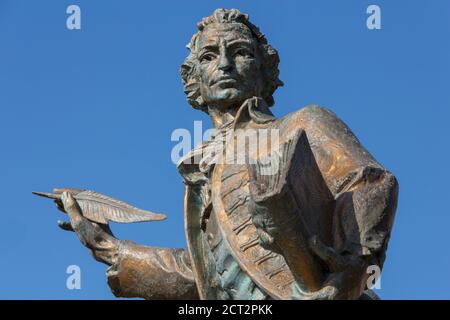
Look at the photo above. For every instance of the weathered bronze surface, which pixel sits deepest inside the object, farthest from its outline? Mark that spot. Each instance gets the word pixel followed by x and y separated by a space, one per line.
pixel 307 230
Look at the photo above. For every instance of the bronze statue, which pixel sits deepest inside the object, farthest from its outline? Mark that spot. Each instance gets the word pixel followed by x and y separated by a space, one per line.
pixel 307 229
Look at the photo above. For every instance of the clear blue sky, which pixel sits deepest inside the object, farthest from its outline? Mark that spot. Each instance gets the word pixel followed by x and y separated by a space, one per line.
pixel 95 109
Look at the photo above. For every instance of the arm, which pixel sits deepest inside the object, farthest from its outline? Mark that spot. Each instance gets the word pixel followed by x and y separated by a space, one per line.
pixel 151 273
pixel 134 270
pixel 363 217
pixel 365 203
pixel 365 193
pixel 347 236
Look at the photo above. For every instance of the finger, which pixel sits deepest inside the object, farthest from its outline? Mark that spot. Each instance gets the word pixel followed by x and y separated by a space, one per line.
pixel 68 201
pixel 106 229
pixel 59 205
pixel 93 235
pixel 328 292
pixel 334 261
pixel 65 225
pixel 71 207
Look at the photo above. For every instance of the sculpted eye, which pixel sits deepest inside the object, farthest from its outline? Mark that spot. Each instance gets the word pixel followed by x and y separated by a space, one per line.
pixel 243 53
pixel 207 57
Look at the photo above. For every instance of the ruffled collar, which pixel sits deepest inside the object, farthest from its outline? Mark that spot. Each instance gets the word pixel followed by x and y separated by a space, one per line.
pixel 193 167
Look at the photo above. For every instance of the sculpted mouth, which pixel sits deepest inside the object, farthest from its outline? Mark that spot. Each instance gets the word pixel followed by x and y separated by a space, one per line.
pixel 224 80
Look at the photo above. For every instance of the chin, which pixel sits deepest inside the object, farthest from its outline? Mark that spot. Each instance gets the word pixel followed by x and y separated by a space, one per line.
pixel 230 96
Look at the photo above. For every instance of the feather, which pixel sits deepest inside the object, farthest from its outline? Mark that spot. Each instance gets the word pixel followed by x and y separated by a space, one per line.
pixel 100 208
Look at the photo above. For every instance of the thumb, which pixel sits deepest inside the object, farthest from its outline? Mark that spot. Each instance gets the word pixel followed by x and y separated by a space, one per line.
pixel 65 225
pixel 333 259
pixel 71 207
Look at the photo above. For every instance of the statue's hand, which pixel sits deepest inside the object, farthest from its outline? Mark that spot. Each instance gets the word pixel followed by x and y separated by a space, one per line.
pixel 98 238
pixel 347 275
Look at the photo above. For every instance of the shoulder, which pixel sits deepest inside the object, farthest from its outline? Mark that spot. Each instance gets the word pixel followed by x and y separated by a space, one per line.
pixel 320 124
pixel 313 117
pixel 312 110
pixel 337 150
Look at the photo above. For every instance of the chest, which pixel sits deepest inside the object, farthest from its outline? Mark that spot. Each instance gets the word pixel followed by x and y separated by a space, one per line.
pixel 240 263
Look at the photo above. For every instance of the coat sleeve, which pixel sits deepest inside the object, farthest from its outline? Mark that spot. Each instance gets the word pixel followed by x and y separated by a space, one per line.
pixel 151 273
pixel 365 192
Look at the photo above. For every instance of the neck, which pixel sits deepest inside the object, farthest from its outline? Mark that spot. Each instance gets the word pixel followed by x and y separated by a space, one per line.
pixel 221 116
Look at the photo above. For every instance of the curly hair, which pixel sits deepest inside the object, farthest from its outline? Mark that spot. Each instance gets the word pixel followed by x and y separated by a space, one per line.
pixel 270 59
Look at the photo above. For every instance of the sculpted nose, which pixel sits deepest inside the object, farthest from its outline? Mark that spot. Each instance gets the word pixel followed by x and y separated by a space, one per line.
pixel 224 63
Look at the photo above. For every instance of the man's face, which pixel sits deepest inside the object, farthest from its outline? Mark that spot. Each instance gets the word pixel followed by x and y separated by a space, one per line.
pixel 229 65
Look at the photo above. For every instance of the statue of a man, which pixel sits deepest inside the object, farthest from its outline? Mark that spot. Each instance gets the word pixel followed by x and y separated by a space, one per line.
pixel 308 230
